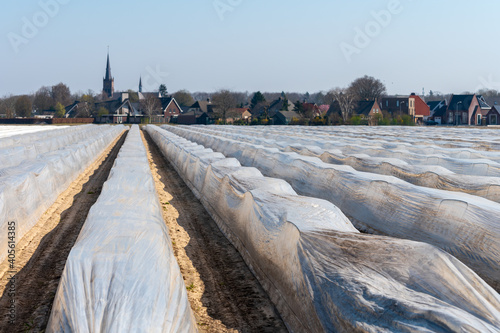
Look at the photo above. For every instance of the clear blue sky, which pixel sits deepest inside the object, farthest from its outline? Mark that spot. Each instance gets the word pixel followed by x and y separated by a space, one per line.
pixel 249 45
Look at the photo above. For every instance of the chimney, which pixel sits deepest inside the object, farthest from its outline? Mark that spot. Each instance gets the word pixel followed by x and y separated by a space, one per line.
pixel 209 101
pixel 124 97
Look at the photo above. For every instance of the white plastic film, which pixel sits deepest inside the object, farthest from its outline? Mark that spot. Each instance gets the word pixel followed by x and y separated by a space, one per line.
pixel 322 274
pixel 31 185
pixel 466 226
pixel 121 275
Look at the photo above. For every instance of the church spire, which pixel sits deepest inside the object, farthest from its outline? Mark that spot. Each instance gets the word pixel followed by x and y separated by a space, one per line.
pixel 140 84
pixel 108 83
pixel 108 69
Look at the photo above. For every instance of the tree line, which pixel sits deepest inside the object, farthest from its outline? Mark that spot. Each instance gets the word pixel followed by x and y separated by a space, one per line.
pixel 365 88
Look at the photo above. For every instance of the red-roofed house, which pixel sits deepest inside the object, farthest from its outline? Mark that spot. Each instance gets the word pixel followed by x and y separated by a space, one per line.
pixel 418 109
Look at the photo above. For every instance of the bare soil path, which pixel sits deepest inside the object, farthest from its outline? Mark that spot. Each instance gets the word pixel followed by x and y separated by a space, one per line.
pixel 223 292
pixel 42 253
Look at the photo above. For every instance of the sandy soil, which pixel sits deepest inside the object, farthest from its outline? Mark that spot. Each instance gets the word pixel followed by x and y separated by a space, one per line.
pixel 42 253
pixel 223 293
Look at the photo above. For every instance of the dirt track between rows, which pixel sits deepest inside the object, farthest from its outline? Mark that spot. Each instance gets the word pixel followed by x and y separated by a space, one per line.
pixel 223 293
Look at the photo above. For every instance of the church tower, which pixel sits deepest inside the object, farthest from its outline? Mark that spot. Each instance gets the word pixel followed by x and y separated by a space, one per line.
pixel 108 83
pixel 140 84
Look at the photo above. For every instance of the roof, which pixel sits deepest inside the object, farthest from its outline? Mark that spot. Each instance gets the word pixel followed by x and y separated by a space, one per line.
pixel 149 94
pixel 276 106
pixel 116 96
pixel 287 114
pixel 334 108
pixel 365 107
pixel 492 100
pixel 482 102
pixel 440 112
pixel 192 113
pixel 239 110
pixel 137 107
pixel 394 99
pixel 70 108
pixel 259 109
pixel 495 108
pixel 166 101
pixel 324 108
pixel 438 108
pixel 434 105
pixel 205 106
pixel 461 102
pixel 113 105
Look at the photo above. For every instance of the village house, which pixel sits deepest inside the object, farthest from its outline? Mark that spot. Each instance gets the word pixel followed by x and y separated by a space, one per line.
pixel 270 110
pixel 493 116
pixel 193 117
pixel 119 109
pixel 418 109
pixel 202 106
pixel 464 110
pixel 481 112
pixel 396 106
pixel 285 117
pixel 369 110
pixel 239 114
pixel 311 110
pixel 437 111
pixel 170 109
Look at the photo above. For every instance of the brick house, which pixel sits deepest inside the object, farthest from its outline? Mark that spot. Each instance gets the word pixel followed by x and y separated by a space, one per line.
pixel 171 109
pixel 368 110
pixel 480 113
pixel 463 110
pixel 396 106
pixel 418 109
pixel 493 116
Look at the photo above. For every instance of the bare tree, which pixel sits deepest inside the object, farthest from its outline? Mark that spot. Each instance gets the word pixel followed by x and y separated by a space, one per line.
pixel 23 106
pixel 43 99
pixel 61 94
pixel 489 92
pixel 241 98
pixel 345 99
pixel 367 88
pixel 224 100
pixel 7 106
pixel 150 104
